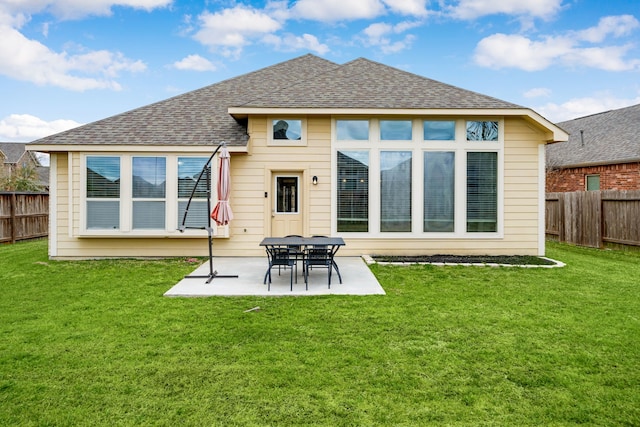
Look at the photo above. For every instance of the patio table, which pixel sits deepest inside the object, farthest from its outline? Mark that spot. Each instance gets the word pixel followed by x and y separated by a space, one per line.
pixel 332 243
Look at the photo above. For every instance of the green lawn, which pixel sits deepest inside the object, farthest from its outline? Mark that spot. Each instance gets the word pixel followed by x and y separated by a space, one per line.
pixel 96 343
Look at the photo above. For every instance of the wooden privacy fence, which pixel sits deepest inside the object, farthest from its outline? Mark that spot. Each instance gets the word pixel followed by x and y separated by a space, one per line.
pixel 594 218
pixel 23 216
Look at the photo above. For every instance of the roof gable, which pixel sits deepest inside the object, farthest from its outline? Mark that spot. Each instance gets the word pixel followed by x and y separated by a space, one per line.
pixel 13 151
pixel 365 84
pixel 606 138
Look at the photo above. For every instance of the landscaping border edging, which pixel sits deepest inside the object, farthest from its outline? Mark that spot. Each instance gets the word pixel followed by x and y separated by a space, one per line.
pixel 556 264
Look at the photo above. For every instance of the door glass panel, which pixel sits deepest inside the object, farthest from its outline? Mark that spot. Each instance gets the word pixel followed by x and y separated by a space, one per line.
pixel 286 194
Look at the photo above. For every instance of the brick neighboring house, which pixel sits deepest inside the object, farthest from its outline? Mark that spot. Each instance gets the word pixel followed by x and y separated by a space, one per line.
pixel 602 153
pixel 14 155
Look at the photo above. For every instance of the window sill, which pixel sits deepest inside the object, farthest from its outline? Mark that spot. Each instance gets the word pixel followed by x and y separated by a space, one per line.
pixel 218 233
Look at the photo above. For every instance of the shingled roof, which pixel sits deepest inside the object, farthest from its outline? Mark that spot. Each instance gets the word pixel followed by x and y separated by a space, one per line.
pixel 610 137
pixel 201 117
pixel 365 84
pixel 13 151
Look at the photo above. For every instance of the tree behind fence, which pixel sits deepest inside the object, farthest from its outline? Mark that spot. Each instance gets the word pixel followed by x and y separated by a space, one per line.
pixel 594 218
pixel 23 216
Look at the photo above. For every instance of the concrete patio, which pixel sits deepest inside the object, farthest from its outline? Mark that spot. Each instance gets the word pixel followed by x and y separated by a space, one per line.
pixel 357 279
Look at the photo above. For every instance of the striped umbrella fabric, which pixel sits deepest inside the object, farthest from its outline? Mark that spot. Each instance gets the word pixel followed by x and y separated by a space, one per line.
pixel 222 213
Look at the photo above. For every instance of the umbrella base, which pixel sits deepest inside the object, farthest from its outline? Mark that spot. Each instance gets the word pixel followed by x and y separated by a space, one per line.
pixel 212 276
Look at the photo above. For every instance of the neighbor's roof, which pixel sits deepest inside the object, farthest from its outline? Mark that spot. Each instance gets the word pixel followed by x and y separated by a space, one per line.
pixel 607 138
pixel 12 151
pixel 215 113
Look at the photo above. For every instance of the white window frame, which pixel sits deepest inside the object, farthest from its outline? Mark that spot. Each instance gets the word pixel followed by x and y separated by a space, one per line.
pixel 271 141
pixel 126 200
pixel 460 146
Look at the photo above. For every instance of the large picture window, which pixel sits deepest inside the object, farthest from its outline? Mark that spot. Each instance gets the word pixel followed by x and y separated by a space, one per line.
pixel 426 177
pixel 103 193
pixel 439 191
pixel 353 191
pixel 395 191
pixel 143 195
pixel 482 192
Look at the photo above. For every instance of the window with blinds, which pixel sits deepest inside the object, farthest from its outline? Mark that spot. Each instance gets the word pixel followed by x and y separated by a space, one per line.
pixel 189 168
pixel 353 191
pixel 395 191
pixel 103 192
pixel 149 176
pixel 482 192
pixel 439 191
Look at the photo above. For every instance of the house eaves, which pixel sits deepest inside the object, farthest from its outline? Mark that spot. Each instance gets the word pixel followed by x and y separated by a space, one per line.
pixel 552 132
pixel 364 87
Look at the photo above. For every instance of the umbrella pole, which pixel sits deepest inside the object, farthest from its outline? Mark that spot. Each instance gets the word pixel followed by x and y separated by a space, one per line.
pixel 206 169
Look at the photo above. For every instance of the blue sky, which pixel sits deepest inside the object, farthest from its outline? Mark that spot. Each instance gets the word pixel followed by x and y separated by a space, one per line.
pixel 68 62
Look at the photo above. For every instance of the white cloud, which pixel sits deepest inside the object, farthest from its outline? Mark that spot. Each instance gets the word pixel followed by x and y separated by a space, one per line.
pixel 580 107
pixel 616 26
pixel 337 10
pixel 379 34
pixel 229 30
pixel 569 50
pixel 610 58
pixel 407 7
pixel 25 127
pixel 472 9
pixel 74 9
pixel 194 63
pixel 516 51
pixel 30 60
pixel 538 92
pixel 292 42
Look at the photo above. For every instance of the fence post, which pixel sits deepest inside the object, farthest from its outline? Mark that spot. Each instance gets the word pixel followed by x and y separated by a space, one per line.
pixel 12 214
pixel 602 228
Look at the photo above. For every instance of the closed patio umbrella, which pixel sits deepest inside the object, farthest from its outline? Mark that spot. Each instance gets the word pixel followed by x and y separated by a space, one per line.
pixel 222 213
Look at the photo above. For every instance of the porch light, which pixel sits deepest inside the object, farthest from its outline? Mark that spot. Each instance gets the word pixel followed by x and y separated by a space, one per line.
pixel 314 180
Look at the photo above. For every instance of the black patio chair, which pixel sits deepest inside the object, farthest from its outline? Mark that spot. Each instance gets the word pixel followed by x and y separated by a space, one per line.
pixel 319 257
pixel 334 250
pixel 279 256
pixel 297 251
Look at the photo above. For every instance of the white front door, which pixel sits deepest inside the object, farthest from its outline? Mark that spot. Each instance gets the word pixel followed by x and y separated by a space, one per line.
pixel 287 204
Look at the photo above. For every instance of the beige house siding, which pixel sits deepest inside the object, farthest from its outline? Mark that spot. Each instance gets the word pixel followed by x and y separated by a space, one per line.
pixel 251 179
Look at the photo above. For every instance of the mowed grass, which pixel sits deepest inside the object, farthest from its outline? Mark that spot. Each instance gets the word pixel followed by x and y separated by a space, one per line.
pixel 96 343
